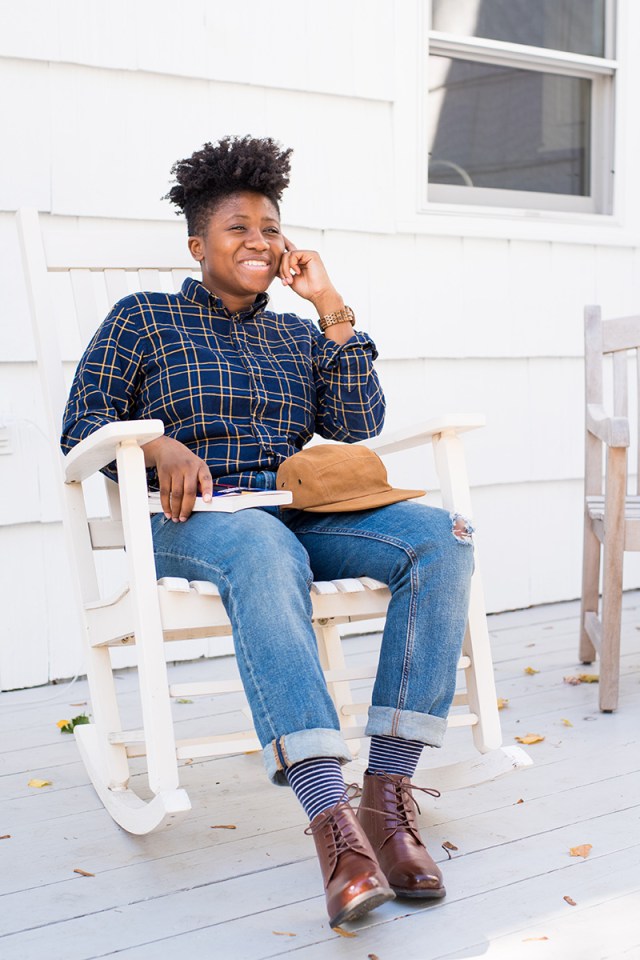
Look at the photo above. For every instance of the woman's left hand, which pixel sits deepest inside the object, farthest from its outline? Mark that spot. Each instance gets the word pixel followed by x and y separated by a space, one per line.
pixel 305 273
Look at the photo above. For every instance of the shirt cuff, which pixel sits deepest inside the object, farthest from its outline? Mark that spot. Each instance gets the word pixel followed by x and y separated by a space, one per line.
pixel 359 347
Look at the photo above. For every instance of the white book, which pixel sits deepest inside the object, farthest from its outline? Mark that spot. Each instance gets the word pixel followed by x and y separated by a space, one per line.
pixel 228 501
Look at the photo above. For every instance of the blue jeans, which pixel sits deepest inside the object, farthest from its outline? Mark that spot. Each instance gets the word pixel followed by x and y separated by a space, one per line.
pixel 264 560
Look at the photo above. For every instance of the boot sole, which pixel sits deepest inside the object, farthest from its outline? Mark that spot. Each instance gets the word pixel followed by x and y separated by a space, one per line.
pixel 437 894
pixel 362 905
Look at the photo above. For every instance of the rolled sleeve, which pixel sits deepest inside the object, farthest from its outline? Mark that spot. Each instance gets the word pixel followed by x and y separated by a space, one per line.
pixel 351 403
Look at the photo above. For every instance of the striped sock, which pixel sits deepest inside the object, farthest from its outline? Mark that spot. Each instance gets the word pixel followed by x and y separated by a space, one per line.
pixel 317 783
pixel 392 755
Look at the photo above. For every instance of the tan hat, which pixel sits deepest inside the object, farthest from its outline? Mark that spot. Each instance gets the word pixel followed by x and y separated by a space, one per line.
pixel 337 477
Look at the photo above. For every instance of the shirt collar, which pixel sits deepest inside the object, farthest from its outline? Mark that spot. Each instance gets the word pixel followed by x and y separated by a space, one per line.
pixel 196 292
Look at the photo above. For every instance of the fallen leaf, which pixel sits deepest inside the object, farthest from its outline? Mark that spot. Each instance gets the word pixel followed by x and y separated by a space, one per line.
pixel 588 678
pixel 39 783
pixel 530 671
pixel 344 933
pixel 372 956
pixel 582 851
pixel 530 738
pixel 223 826
pixel 182 700
pixel 566 723
pixel 527 939
pixel 520 800
pixel 84 873
pixel 67 726
pixel 503 702
pixel 82 703
pixel 283 933
pixel 570 901
pixel 5 836
pixel 574 681
pixel 447 845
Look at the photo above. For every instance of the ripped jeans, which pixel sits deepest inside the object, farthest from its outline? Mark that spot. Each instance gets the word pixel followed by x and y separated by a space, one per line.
pixel 263 562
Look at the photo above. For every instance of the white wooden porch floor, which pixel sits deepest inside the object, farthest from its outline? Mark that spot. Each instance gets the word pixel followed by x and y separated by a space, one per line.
pixel 196 889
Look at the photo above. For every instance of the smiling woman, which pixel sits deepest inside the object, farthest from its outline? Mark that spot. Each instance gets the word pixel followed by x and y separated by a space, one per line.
pixel 240 390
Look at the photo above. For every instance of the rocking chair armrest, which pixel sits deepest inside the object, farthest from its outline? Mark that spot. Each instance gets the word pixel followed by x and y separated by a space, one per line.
pixel 614 431
pixel 97 450
pixel 419 433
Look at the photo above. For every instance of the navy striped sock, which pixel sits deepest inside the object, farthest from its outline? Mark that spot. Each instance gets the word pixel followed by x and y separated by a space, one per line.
pixel 317 783
pixel 393 755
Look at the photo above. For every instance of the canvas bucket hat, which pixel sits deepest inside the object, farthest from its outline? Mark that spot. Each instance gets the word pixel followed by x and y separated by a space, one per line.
pixel 336 478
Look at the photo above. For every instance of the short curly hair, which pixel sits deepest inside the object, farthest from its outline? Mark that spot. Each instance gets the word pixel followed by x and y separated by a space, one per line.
pixel 222 169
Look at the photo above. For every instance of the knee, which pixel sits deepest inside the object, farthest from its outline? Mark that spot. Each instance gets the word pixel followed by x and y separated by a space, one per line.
pixel 447 544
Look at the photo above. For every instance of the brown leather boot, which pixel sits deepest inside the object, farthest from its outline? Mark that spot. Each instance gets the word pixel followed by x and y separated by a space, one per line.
pixel 388 816
pixel 354 883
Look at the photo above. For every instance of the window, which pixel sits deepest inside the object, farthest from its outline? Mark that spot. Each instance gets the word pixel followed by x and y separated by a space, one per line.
pixel 520 103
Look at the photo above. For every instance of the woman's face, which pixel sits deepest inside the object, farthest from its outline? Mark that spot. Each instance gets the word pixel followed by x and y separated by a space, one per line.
pixel 241 251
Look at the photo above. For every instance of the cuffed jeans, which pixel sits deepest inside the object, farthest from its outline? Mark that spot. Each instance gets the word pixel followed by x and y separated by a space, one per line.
pixel 263 561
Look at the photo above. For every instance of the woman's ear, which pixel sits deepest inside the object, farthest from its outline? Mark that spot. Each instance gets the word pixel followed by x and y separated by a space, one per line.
pixel 196 248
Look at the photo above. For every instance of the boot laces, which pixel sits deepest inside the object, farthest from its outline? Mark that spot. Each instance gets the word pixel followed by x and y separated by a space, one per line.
pixel 345 837
pixel 405 804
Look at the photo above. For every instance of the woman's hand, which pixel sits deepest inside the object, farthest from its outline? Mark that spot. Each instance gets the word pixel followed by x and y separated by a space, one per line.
pixel 180 474
pixel 305 273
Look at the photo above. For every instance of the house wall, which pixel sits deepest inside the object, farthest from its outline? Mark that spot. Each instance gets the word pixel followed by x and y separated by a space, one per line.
pixel 471 310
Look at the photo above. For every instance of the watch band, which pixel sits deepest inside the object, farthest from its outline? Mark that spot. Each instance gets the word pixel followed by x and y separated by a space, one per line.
pixel 346 315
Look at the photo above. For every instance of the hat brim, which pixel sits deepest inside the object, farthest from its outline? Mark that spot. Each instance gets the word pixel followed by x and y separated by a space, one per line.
pixel 368 502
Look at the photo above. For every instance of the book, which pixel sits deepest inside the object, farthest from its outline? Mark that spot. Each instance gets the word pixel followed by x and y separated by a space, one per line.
pixel 230 499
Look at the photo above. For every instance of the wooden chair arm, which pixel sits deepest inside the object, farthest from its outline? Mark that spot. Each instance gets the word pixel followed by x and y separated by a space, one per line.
pixel 100 448
pixel 614 431
pixel 419 433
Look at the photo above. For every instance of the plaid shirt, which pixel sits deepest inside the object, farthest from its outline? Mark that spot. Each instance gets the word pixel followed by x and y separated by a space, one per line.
pixel 243 391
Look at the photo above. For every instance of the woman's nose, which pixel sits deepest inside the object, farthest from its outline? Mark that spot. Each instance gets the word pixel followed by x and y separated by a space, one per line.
pixel 256 240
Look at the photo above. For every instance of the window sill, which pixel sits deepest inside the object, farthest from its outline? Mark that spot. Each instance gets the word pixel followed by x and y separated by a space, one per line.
pixel 448 219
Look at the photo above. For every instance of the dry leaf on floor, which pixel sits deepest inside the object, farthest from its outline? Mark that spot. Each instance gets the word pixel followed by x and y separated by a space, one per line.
pixel 530 671
pixel 570 901
pixel 565 722
pixel 82 703
pixel 530 738
pixel 503 702
pixel 527 939
pixel 447 845
pixel 223 826
pixel 5 836
pixel 520 800
pixel 343 933
pixel 582 851
pixel 283 933
pixel 573 681
pixel 84 873
pixel 39 783
pixel 184 700
pixel 588 677
pixel 372 956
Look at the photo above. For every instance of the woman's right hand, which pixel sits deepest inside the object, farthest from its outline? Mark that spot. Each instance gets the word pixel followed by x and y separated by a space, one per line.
pixel 181 474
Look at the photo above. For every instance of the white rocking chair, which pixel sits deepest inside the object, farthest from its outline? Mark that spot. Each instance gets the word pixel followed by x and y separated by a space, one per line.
pixel 146 611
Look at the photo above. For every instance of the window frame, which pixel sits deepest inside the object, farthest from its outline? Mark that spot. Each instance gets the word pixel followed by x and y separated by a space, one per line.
pixel 601 71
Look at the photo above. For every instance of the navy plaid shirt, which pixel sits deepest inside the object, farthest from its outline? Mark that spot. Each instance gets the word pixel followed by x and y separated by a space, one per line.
pixel 243 391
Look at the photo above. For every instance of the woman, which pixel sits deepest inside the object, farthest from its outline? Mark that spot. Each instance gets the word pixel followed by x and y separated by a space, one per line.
pixel 240 389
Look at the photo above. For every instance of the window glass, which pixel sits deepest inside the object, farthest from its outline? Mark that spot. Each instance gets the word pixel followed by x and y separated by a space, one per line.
pixel 576 26
pixel 498 127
